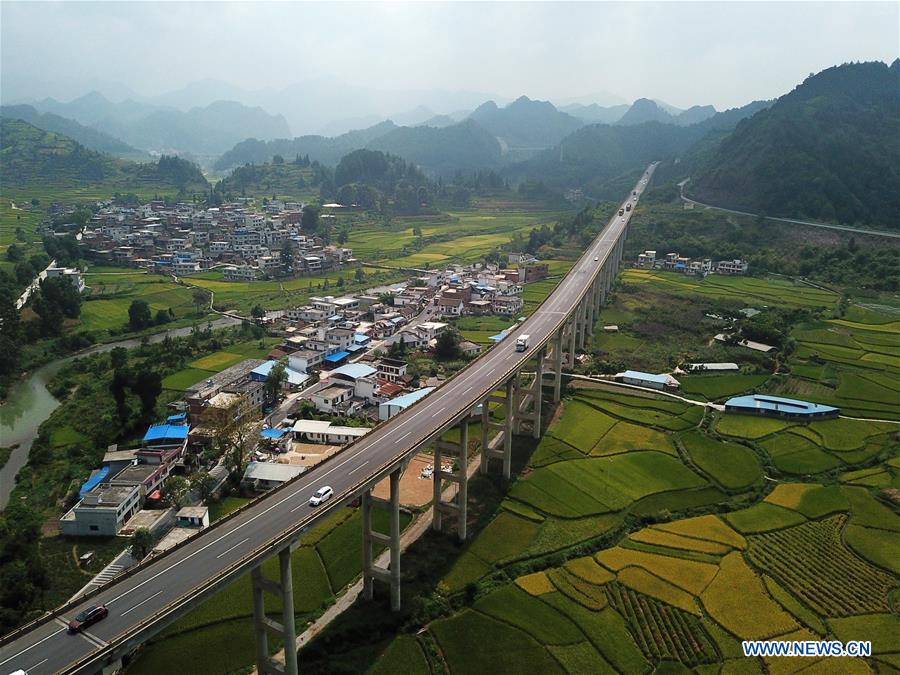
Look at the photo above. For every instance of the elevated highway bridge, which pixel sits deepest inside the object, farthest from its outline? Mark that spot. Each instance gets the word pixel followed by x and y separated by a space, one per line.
pixel 149 597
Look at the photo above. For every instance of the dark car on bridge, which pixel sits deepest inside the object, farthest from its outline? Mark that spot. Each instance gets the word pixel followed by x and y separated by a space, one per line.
pixel 88 617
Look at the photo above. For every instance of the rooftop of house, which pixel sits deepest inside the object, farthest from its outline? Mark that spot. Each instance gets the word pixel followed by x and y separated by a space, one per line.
pixel 161 434
pixel 324 427
pixel 224 377
pixel 353 371
pixel 271 471
pixel 647 377
pixel 333 390
pixel 412 397
pixel 107 496
pixel 136 473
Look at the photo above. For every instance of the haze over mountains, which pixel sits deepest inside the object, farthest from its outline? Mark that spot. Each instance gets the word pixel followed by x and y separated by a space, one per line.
pixel 825 150
pixel 200 132
pixel 206 118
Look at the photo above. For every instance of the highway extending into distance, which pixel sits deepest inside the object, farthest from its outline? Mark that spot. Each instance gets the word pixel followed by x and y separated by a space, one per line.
pixel 792 221
pixel 158 592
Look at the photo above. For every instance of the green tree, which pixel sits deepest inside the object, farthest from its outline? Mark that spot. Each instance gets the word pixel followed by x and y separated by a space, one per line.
pixel 257 312
pixel 175 491
pixel 147 386
pixel 141 543
pixel 203 484
pixel 139 314
pixel 56 299
pixel 275 382
pixel 447 346
pixel 14 253
pixel 309 221
pixel 118 358
pixel 200 298
pixel 235 432
pixel 359 275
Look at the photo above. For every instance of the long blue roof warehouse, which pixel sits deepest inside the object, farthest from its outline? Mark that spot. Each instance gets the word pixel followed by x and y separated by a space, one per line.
pixel 775 406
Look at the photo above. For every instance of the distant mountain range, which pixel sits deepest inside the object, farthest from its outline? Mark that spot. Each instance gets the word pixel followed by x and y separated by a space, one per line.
pixel 828 150
pixel 646 110
pixel 201 132
pixel 595 113
pixel 491 136
pixel 524 125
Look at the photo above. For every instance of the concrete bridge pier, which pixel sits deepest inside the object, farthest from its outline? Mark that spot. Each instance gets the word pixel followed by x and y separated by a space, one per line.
pixel 572 335
pixel 500 446
pixel 553 364
pixel 581 314
pixel 458 475
pixel 528 407
pixel 591 300
pixel 263 625
pixel 370 537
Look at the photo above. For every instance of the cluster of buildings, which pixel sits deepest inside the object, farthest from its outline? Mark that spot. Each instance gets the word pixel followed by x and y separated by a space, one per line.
pixel 186 238
pixel 674 262
pixel 126 480
pixel 341 359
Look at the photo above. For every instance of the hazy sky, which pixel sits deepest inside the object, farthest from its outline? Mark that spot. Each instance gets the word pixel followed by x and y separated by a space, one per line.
pixel 724 53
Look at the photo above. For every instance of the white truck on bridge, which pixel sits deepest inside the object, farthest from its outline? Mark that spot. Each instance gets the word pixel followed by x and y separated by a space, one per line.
pixel 522 343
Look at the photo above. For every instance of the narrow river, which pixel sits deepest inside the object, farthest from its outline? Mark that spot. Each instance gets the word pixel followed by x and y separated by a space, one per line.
pixel 29 404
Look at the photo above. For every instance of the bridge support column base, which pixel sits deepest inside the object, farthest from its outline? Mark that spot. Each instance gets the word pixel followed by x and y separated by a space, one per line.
pixel 263 625
pixel 371 571
pixel 459 475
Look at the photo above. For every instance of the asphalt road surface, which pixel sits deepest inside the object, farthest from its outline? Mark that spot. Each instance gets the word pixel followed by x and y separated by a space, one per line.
pixel 133 600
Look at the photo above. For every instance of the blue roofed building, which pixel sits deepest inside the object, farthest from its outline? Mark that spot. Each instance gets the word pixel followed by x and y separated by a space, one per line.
pixel 337 357
pixel 390 408
pixel 165 434
pixel 775 406
pixel 163 443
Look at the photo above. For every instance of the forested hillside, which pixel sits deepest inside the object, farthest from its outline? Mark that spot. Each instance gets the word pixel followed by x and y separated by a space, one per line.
pixel 92 139
pixel 372 179
pixel 32 156
pixel 461 147
pixel 595 154
pixel 525 125
pixel 327 150
pixel 827 151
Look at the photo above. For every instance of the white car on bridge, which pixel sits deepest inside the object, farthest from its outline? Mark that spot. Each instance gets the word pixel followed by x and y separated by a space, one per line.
pixel 323 494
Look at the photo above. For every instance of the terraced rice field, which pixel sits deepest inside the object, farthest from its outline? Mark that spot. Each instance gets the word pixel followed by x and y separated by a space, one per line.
pixel 717 387
pixel 663 631
pixel 731 465
pixel 746 289
pixel 812 561
pixel 858 359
